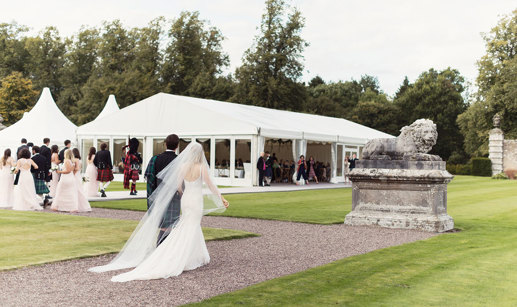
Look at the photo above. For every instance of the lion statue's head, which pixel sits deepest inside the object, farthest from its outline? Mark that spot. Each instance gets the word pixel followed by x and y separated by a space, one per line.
pixel 423 134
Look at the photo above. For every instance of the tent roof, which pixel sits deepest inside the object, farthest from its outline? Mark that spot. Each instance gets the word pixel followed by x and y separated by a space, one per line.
pixel 43 120
pixel 162 114
pixel 111 106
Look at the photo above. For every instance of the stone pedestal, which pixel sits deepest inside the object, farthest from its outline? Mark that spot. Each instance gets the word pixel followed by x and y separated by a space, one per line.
pixel 400 194
pixel 496 150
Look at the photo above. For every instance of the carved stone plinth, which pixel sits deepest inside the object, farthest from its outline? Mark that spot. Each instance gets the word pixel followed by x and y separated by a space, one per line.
pixel 400 194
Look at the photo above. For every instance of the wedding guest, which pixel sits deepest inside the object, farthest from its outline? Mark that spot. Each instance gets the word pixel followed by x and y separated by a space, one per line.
pixel 30 145
pixel 46 152
pixel 352 161
pixel 67 197
pixel 91 186
pixel 268 174
pixel 155 166
pixel 312 169
pixel 23 146
pixel 347 168
pixel 261 166
pixel 104 166
pixel 83 204
pixel 54 165
pixel 132 166
pixel 302 166
pixel 6 180
pixel 68 144
pixel 39 174
pixel 24 195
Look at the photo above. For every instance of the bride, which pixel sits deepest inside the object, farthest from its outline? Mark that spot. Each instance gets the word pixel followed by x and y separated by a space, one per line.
pixel 184 248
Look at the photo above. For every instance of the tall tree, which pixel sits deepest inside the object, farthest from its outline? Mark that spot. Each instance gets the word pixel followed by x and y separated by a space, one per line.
pixel 437 96
pixel 497 88
pixel 194 58
pixel 17 96
pixel 273 65
pixel 80 60
pixel 13 55
pixel 47 56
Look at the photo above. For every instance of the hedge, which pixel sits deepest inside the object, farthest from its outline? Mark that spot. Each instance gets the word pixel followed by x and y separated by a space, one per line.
pixel 481 167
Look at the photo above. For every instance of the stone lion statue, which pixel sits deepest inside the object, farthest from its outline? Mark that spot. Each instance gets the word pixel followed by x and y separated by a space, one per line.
pixel 413 143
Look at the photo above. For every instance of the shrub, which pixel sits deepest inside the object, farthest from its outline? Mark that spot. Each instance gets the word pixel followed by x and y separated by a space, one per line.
pixel 457 158
pixel 481 167
pixel 451 168
pixel 500 176
pixel 463 169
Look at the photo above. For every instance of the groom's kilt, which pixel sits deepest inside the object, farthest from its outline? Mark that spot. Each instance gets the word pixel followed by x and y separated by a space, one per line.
pixel 104 175
pixel 41 186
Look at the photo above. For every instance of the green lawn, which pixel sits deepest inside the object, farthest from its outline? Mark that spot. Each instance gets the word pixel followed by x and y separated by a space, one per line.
pixel 474 267
pixel 317 206
pixel 28 238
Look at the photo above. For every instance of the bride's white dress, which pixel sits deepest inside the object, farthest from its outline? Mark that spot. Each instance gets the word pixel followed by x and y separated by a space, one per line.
pixel 184 249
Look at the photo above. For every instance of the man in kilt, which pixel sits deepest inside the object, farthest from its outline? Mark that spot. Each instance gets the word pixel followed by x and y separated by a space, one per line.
pixel 155 166
pixel 40 175
pixel 132 165
pixel 104 166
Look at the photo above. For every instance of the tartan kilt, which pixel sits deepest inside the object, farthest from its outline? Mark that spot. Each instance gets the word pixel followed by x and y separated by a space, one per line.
pixel 41 186
pixel 134 175
pixel 104 175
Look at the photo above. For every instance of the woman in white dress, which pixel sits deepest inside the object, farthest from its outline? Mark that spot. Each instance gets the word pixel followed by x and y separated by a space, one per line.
pixel 184 248
pixel 91 187
pixel 67 197
pixel 54 166
pixel 84 205
pixel 6 180
pixel 24 196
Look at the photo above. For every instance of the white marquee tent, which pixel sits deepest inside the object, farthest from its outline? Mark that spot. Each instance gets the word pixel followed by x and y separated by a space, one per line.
pixel 111 106
pixel 233 135
pixel 43 120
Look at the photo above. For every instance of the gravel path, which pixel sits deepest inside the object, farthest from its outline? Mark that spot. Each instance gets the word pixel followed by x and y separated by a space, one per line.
pixel 283 248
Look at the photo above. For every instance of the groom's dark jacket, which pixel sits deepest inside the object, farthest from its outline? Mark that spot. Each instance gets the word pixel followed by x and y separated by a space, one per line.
pixel 173 210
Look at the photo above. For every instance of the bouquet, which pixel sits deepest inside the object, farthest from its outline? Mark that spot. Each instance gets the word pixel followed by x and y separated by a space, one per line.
pixel 55 168
pixel 13 169
pixel 86 179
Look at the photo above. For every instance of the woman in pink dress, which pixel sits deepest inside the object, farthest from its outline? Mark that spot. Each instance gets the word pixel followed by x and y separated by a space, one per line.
pixel 6 180
pixel 92 186
pixel 84 205
pixel 24 197
pixel 312 169
pixel 67 197
pixel 54 166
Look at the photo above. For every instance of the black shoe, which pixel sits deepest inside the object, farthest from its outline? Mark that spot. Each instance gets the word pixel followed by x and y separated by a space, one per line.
pixel 103 194
pixel 45 203
pixel 132 193
pixel 136 192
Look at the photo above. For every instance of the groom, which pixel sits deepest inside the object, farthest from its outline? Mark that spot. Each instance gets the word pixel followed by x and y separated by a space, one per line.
pixel 155 166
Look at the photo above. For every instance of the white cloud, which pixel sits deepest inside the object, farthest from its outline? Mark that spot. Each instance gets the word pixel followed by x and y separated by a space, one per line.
pixel 387 39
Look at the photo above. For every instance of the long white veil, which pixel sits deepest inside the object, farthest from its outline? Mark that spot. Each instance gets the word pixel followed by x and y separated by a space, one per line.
pixel 143 241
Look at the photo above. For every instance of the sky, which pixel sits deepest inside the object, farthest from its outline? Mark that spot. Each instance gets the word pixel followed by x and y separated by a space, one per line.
pixel 386 39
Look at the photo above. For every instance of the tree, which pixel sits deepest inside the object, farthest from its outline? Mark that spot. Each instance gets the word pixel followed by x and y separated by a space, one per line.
pixel 497 88
pixel 370 82
pixel 193 58
pixel 80 61
pixel 316 81
pixel 272 66
pixel 13 55
pixel 47 53
pixel 437 96
pixel 17 96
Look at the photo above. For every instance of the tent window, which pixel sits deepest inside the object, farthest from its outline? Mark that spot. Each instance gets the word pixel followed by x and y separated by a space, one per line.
pixel 158 146
pixel 222 157
pixel 85 146
pixel 242 158
pixel 118 164
pixel 206 148
pixel 340 160
pixel 183 144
